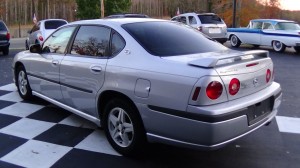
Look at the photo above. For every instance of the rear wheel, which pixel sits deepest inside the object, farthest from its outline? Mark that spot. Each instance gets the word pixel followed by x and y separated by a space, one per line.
pixel 6 51
pixel 235 41
pixel 297 49
pixel 123 127
pixel 278 46
pixel 23 84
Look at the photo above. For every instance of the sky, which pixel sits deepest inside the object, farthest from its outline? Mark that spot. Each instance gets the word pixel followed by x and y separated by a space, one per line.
pixel 290 4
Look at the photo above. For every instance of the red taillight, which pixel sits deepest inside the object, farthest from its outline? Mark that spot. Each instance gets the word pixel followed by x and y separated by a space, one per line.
pixel 7 36
pixel 200 28
pixel 41 38
pixel 214 90
pixel 268 75
pixel 234 86
pixel 196 93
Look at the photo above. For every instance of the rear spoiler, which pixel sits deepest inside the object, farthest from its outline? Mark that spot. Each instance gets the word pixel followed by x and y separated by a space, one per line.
pixel 217 61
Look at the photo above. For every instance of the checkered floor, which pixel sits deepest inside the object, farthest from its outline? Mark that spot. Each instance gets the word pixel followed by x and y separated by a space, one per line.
pixel 39 134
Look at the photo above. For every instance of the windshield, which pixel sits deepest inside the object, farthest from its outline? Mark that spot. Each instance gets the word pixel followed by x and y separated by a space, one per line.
pixel 54 24
pixel 210 19
pixel 287 26
pixel 171 38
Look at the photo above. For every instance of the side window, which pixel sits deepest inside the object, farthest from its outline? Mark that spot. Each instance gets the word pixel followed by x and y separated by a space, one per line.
pixel 257 25
pixel 183 20
pixel 58 41
pixel 117 43
pixel 176 19
pixel 91 41
pixel 192 20
pixel 267 26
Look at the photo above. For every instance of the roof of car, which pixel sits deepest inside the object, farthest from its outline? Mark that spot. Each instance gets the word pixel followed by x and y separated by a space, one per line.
pixel 52 20
pixel 124 15
pixel 271 20
pixel 119 21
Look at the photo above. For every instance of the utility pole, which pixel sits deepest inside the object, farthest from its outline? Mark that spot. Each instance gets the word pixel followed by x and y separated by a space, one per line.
pixel 234 13
pixel 102 8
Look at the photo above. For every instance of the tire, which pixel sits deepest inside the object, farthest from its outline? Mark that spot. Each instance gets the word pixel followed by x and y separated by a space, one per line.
pixel 22 83
pixel 26 45
pixel 5 51
pixel 123 127
pixel 297 49
pixel 278 46
pixel 235 41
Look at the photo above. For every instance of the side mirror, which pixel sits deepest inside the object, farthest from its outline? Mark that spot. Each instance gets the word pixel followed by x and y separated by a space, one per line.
pixel 35 48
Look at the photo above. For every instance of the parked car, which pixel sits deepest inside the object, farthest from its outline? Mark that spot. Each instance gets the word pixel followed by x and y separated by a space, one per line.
pixel 208 23
pixel 267 32
pixel 4 38
pixel 41 30
pixel 128 15
pixel 150 80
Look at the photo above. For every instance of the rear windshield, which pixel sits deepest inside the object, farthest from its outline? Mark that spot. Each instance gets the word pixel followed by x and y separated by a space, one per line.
pixel 171 38
pixel 54 24
pixel 2 27
pixel 287 26
pixel 210 19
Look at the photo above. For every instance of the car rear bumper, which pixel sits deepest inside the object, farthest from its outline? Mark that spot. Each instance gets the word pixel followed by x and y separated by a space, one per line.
pixel 4 45
pixel 209 127
pixel 221 40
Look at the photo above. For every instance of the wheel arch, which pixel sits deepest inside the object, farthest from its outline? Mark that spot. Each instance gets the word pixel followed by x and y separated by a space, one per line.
pixel 108 95
pixel 17 65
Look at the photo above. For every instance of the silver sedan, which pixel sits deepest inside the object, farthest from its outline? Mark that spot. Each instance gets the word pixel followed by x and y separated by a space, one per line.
pixel 151 80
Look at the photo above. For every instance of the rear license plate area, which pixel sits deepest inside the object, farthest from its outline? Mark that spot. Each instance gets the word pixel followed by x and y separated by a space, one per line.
pixel 258 111
pixel 214 30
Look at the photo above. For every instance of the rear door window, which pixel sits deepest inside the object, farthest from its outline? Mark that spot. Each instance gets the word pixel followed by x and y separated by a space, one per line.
pixel 210 19
pixel 54 24
pixel 92 41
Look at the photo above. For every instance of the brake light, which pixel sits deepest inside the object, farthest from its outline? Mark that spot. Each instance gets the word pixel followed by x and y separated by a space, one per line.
pixel 268 75
pixel 234 86
pixel 196 93
pixel 7 36
pixel 200 28
pixel 214 90
pixel 41 38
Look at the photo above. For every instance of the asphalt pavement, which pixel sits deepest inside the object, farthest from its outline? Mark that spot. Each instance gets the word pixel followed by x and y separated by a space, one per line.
pixel 273 146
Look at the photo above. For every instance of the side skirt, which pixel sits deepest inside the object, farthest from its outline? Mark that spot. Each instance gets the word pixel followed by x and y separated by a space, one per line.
pixel 73 110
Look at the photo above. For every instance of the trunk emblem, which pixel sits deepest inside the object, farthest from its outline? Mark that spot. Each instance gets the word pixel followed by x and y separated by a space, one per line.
pixel 255 82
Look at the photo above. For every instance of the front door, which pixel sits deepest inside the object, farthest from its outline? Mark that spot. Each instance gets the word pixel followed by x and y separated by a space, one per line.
pixel 44 74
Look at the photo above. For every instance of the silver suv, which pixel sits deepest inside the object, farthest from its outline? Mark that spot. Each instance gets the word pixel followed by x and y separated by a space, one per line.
pixel 208 23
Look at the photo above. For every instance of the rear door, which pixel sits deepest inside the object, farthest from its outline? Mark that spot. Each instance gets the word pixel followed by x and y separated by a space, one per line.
pixel 83 69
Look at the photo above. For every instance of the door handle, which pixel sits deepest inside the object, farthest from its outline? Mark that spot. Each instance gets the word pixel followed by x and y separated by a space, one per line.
pixel 96 69
pixel 55 62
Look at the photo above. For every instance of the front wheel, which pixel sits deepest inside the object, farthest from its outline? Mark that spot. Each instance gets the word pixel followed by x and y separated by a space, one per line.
pixel 235 41
pixel 278 46
pixel 23 84
pixel 123 127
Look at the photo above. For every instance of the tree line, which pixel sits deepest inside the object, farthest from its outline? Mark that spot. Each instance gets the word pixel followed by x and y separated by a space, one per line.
pixel 15 12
